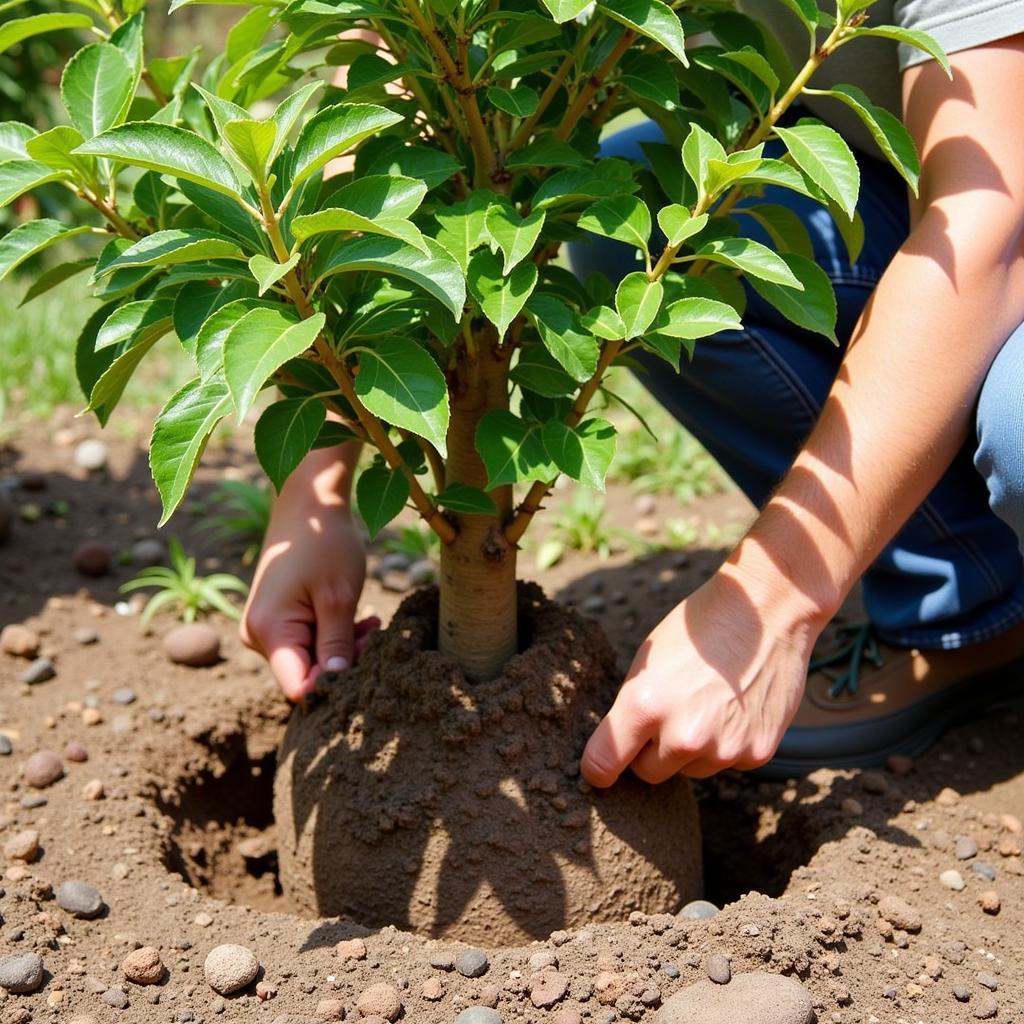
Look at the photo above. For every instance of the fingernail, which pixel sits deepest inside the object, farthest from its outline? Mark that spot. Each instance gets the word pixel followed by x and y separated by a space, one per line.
pixel 336 664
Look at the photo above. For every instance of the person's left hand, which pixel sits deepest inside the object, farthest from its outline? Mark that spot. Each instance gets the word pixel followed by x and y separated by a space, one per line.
pixel 714 686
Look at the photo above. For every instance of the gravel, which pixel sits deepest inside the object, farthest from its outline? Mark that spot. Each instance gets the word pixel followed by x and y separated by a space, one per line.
pixel 984 870
pixel 19 640
pixel 76 752
pixel 6 747
pixel 92 558
pixel 755 998
pixel 148 551
pixel 900 914
pixel 380 1000
pixel 116 997
pixel 230 968
pixel 472 963
pixel 21 972
pixel 40 671
pixel 43 769
pixel 80 899
pixel 123 696
pixel 548 988
pixel 965 848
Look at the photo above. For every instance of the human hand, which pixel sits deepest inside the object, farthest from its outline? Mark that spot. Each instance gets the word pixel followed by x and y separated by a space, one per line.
pixel 301 610
pixel 714 686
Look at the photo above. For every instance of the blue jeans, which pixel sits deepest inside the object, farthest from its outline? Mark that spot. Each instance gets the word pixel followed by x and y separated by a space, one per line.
pixel 954 574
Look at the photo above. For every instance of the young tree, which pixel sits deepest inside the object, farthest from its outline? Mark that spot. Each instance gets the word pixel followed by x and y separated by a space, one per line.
pixel 415 301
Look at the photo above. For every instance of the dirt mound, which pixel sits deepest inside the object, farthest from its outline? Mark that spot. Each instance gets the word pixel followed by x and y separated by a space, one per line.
pixel 408 796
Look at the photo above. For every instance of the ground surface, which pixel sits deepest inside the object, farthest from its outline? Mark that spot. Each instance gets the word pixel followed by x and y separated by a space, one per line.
pixel 186 774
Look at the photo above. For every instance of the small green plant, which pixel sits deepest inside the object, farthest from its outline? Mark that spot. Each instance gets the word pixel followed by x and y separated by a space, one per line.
pixel 414 541
pixel 581 526
pixel 242 516
pixel 178 586
pixel 675 463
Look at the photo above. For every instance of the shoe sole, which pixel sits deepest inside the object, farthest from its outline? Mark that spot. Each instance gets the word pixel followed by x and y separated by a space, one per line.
pixel 908 732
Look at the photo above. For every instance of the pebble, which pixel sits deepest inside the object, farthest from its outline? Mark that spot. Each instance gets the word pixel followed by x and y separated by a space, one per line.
pixel 85 636
pixel 116 997
pixel 40 671
pixel 719 969
pixel 91 454
pixel 479 1015
pixel 33 800
pixel 43 769
pixel 230 968
pixel 698 910
pixel 380 1000
pixel 875 783
pixel 74 751
pixel 148 551
pixel 22 846
pixel 203 919
pixel 542 961
pixel 80 899
pixel 19 640
pixel 899 764
pixel 961 993
pixel 92 558
pixel 757 998
pixel 195 644
pixel 123 696
pixel 472 963
pixel 144 966
pixel 985 1008
pixel 953 880
pixel 965 848
pixel 6 747
pixel 432 989
pixel 396 580
pixel 548 988
pixel 900 914
pixel 947 797
pixel 989 901
pixel 93 790
pixel 351 949
pixel 986 980
pixel 645 505
pixel 330 1009
pixel 422 573
pixel 984 870
pixel 21 973
pixel 442 962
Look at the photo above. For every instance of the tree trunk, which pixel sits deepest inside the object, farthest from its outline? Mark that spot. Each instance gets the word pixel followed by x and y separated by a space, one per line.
pixel 478 621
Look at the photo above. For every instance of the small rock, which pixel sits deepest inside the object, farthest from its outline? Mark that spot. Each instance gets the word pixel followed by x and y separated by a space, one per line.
pixel 43 769
pixel 898 764
pixel 609 987
pixel 442 961
pixel 472 963
pixel 965 848
pixel 947 797
pixel 148 551
pixel 80 899
pixel 85 636
pixel 542 961
pixel 985 1007
pixel 875 783
pixel 230 968
pixel 203 919
pixel 381 1000
pixel 645 505
pixel 953 880
pixel 144 966
pixel 21 973
pixel 851 807
pixel 479 1015
pixel 764 998
pixel 265 991
pixel 719 969
pixel 548 988
pixel 900 914
pixel 961 993
pixel 22 846
pixel 6 747
pixel 123 696
pixel 91 455
pixel 698 910
pixel 76 752
pixel 983 869
pixel 422 573
pixel 116 997
pixel 196 645
pixel 432 989
pixel 40 671
pixel 351 949
pixel 92 558
pixel 330 1009
pixel 986 980
pixel 989 901
pixel 19 640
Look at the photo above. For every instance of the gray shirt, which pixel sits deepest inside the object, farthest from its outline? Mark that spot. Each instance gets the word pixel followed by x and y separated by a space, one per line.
pixel 875 64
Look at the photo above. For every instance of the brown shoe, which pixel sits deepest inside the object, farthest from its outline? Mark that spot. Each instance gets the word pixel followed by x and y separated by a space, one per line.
pixel 866 700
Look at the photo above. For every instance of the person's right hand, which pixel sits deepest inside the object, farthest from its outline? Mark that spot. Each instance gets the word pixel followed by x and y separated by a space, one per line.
pixel 300 614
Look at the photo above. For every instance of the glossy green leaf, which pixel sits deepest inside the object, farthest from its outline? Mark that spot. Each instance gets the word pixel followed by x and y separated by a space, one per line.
pixel 381 493
pixel 678 225
pixel 652 19
pixel 827 160
pixel 511 449
pixel 289 110
pixel 252 142
pixel 335 130
pixel 910 37
pixel 624 218
pixel 197 301
pixel 538 371
pixel 813 307
pixel 13 136
pixel 566 10
pixel 334 219
pixel 637 301
pixel 753 258
pixel 19 29
pixel 519 102
pixel 785 227
pixel 501 297
pixel 268 272
pixel 133 318
pixel 209 342
pixel 468 500
pixel 20 176
pixel 167 248
pixel 700 147
pixel 582 453
pixel 56 147
pixel 514 235
pixel 31 237
pixel 284 435
pixel 463 225
pixel 564 336
pixel 604 322
pixel 696 317
pixel 53 276
pixel 97 88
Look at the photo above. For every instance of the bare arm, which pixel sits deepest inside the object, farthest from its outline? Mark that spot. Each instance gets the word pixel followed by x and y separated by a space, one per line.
pixel 718 681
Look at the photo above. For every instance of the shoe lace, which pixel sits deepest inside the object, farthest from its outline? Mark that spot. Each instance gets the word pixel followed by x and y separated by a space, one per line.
pixel 861 645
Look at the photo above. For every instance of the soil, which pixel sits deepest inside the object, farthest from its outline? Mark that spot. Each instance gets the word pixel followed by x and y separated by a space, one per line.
pixel 456 810
pixel 801 869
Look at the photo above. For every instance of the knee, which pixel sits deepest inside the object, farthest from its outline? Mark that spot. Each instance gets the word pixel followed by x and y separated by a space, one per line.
pixel 1000 424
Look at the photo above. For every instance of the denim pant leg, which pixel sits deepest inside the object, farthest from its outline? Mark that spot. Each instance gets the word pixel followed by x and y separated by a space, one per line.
pixel 953 575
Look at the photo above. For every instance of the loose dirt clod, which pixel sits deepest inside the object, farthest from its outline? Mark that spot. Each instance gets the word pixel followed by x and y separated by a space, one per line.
pixel 900 914
pixel 381 1000
pixel 752 998
pixel 19 641
pixel 144 966
pixel 230 968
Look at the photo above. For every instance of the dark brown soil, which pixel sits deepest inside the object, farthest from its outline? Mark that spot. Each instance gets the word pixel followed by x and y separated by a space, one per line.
pixel 187 773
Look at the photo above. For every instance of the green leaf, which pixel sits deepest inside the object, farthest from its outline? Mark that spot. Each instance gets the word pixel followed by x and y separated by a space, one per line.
pixel 624 218
pixel 180 435
pixel 583 453
pixel 566 10
pixel 785 228
pixel 399 381
pixel 288 112
pixel 13 136
pixel 605 323
pixel 55 148
pixel 886 129
pixel 169 150
pixel 468 500
pixel 20 176
pixel 813 307
pixel 756 63
pixel 18 29
pixel 753 258
pixel 776 172
pixel 209 344
pixel 564 336
pixel 381 493
pixel 806 10
pixel 97 88
pixel 168 248
pixel 335 219
pixel 463 225
pixel 268 272
pixel 253 143
pixel 653 19
pixel 392 196
pixel 515 236
pixel 284 435
pixel 133 318
pixel 638 300
pixel 335 130
pixel 258 345
pixel 54 276
pixel 539 372
pixel 29 238
pixel 696 317
pixel 89 365
pixel 700 147
pixel 908 36
pixel 432 166
pixel 197 302
pixel 511 449
pixel 437 273
pixel 501 297
pixel 678 225
pixel 128 37
pixel 546 152
pixel 827 160
pixel 521 101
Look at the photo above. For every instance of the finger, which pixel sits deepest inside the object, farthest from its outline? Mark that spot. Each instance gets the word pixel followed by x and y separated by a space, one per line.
pixel 335 639
pixel 619 737
pixel 365 628
pixel 704 767
pixel 291 666
pixel 654 766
